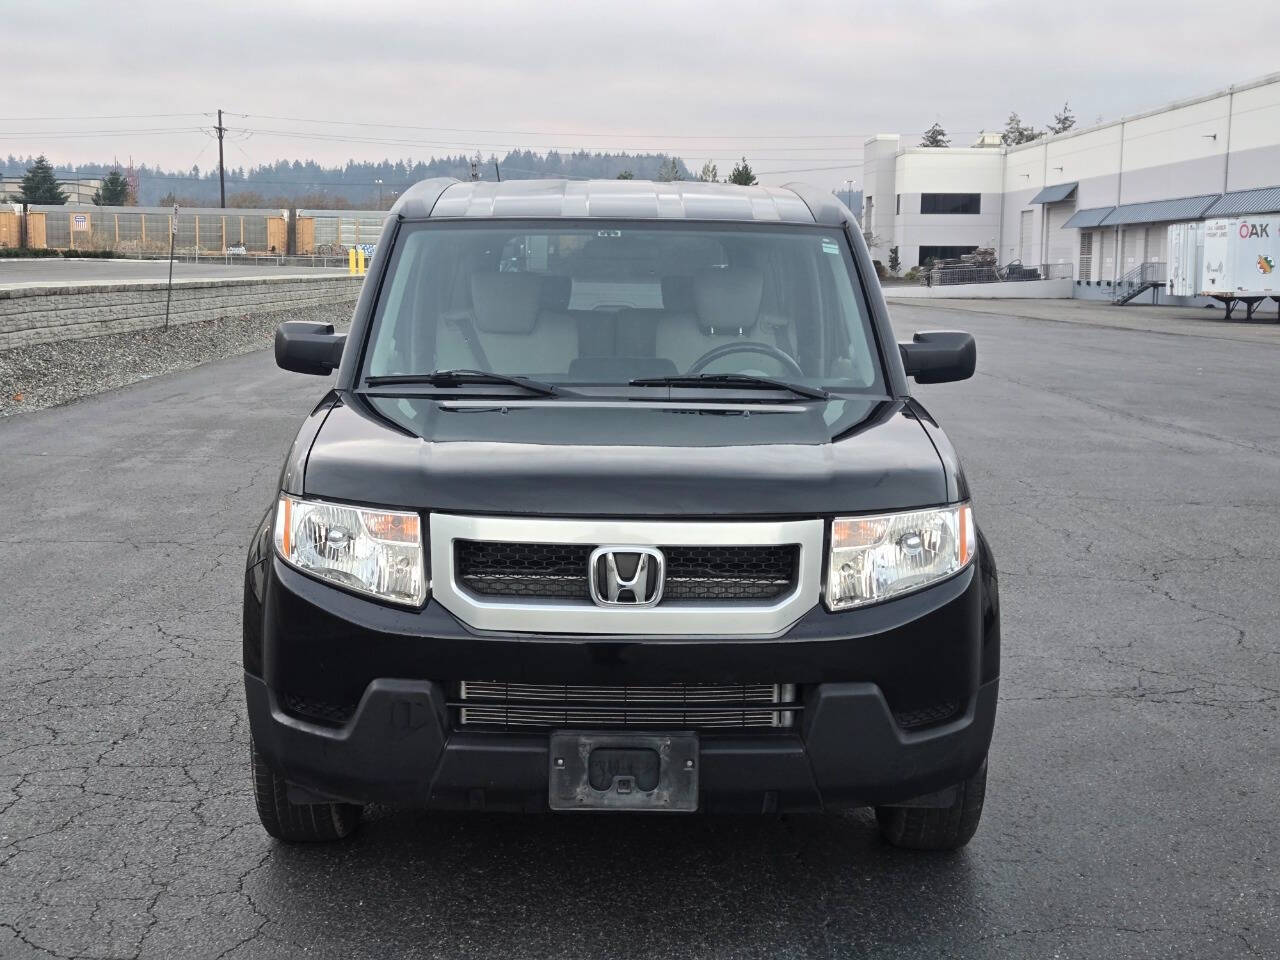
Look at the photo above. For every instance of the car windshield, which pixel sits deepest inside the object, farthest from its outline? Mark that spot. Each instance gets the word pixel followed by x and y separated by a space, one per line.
pixel 605 303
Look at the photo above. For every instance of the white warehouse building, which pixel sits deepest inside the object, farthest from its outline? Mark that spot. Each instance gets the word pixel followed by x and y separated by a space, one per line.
pixel 1092 204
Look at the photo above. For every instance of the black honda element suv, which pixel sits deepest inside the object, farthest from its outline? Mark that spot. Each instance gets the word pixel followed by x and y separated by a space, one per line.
pixel 621 502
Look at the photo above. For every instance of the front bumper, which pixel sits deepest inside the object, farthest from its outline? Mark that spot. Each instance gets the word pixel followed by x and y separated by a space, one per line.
pixel 400 742
pixel 399 748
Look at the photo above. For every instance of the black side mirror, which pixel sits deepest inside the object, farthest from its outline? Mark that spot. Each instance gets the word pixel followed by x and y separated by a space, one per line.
pixel 305 347
pixel 940 356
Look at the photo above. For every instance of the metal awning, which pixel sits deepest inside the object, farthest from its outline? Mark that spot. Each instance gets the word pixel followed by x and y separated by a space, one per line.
pixel 1245 202
pixel 1088 218
pixel 1160 211
pixel 1056 193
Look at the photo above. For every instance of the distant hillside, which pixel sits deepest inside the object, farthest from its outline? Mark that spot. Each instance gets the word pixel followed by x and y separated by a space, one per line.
pixel 306 183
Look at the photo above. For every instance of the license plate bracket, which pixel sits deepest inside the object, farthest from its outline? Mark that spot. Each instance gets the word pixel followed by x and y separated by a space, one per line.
pixel 623 771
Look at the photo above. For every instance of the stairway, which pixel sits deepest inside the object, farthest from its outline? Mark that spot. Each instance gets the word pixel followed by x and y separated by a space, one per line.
pixel 1144 277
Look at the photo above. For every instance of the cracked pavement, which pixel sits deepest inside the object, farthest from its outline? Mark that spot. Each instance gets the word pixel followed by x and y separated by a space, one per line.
pixel 1126 480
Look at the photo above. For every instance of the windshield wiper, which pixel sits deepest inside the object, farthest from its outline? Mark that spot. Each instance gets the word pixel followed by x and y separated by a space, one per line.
pixel 455 378
pixel 731 380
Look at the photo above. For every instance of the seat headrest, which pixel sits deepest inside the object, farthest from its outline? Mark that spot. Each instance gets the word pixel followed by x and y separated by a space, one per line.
pixel 505 302
pixel 727 300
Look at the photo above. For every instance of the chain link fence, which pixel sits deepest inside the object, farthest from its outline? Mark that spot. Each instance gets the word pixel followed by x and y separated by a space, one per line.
pixel 940 275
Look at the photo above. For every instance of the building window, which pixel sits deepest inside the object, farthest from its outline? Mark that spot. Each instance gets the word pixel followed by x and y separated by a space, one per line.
pixel 898 204
pixel 950 203
pixel 943 253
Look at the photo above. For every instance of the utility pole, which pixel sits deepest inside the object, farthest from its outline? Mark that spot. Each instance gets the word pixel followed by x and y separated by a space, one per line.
pixel 222 173
pixel 379 183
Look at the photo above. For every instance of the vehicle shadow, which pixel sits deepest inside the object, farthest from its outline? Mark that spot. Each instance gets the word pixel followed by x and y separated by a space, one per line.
pixel 463 885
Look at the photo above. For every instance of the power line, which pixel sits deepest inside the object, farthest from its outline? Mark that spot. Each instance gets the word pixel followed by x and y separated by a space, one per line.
pixel 96 136
pixel 117 116
pixel 845 166
pixel 564 133
pixel 465 148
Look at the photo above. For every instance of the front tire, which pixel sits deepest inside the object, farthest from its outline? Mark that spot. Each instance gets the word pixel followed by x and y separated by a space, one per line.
pixel 937 828
pixel 297 822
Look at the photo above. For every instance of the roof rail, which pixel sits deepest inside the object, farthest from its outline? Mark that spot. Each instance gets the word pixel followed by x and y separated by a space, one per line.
pixel 417 202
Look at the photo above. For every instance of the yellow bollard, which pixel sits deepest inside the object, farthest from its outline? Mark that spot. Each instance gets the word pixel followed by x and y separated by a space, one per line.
pixel 360 260
pixel 351 262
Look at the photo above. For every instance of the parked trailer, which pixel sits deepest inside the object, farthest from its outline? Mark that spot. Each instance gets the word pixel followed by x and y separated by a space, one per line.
pixel 1186 259
pixel 1242 261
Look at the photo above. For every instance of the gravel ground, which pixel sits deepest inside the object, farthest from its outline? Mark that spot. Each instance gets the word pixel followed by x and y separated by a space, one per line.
pixel 48 374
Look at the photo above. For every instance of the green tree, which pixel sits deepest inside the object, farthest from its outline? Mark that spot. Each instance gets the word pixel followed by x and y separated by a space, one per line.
pixel 670 170
pixel 709 173
pixel 626 175
pixel 935 136
pixel 894 263
pixel 114 191
pixel 1016 132
pixel 40 185
pixel 742 174
pixel 1063 121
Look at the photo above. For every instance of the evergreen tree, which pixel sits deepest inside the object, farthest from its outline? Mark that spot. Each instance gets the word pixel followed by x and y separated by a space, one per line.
pixel 895 264
pixel 1016 132
pixel 709 173
pixel 40 185
pixel 1063 120
pixel 670 170
pixel 935 136
pixel 114 191
pixel 742 174
pixel 626 175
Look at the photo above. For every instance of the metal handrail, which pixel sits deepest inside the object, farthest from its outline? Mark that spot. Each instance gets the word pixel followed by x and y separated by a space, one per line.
pixel 1150 273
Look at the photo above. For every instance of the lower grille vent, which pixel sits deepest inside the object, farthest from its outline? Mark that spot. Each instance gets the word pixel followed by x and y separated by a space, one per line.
pixel 317 711
pixel 692 706
pixel 929 716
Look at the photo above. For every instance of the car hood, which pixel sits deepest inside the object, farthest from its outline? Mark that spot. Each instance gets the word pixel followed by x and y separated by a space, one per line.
pixel 567 458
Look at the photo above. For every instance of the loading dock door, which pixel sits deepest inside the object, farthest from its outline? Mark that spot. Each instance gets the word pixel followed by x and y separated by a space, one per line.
pixel 1024 237
pixel 1060 244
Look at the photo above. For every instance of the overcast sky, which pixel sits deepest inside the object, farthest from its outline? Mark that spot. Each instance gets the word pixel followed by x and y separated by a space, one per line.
pixel 796 87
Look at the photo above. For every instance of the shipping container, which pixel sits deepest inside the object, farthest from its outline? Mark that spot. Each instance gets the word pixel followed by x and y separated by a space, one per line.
pixel 1241 257
pixel 1186 259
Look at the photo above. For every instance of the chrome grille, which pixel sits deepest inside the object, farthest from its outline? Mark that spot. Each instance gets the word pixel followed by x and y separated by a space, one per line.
pixel 685 705
pixel 559 570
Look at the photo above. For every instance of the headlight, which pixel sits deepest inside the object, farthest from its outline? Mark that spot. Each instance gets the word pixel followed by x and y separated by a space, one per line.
pixel 874 558
pixel 378 552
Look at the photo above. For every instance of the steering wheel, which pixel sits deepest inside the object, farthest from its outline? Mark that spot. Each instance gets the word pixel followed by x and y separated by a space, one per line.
pixel 747 346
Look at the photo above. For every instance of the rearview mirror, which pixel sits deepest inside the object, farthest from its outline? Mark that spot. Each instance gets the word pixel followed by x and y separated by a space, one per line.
pixel 940 356
pixel 305 347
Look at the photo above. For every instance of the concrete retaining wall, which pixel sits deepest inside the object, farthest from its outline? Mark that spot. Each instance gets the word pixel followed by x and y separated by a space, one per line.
pixel 1017 290
pixel 45 314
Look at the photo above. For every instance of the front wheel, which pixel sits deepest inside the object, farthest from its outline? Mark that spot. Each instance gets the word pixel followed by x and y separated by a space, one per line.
pixel 297 822
pixel 937 828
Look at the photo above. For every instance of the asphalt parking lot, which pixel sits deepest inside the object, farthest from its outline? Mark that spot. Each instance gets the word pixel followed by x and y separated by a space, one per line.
pixel 1127 480
pixel 57 272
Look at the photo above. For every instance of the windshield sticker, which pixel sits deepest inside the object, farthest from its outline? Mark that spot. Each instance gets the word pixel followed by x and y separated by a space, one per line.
pixel 829 246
